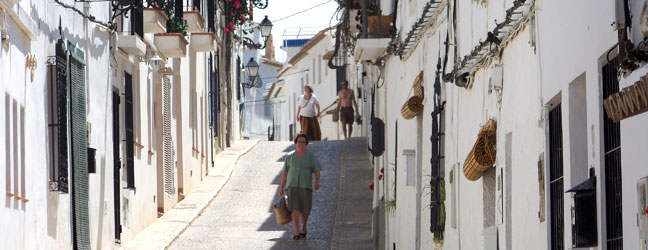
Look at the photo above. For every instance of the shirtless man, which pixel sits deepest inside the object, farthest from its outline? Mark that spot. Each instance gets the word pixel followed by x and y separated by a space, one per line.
pixel 346 97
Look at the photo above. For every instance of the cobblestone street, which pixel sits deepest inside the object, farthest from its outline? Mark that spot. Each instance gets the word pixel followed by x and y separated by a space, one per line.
pixel 241 215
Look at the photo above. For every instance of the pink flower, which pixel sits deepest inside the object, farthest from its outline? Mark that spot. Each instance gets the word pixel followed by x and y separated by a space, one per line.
pixel 233 28
pixel 237 5
pixel 226 30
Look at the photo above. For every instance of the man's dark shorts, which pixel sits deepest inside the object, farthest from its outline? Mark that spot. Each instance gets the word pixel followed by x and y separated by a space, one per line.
pixel 346 114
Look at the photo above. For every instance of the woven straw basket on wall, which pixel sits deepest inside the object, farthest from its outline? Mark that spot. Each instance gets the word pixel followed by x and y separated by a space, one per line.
pixel 412 107
pixel 483 154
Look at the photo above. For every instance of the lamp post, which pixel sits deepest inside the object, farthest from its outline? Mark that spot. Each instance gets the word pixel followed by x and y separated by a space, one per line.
pixel 266 29
pixel 252 69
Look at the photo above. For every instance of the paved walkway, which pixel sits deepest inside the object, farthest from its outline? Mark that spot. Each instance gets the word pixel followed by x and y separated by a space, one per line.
pixel 353 223
pixel 165 229
pixel 237 213
pixel 241 216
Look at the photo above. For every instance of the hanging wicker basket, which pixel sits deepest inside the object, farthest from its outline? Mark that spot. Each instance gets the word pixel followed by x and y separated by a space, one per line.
pixel 412 107
pixel 483 154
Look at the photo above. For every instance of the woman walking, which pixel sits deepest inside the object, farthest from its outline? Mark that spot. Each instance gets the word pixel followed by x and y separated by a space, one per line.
pixel 297 176
pixel 307 115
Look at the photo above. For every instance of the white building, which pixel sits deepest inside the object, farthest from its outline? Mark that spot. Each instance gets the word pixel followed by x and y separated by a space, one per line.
pixel 309 66
pixel 510 62
pixel 108 121
pixel 259 115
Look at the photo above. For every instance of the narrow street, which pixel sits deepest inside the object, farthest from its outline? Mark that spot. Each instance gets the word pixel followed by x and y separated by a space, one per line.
pixel 241 215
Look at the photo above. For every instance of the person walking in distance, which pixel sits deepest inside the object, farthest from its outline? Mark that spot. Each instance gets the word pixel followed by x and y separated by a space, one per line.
pixel 308 111
pixel 297 177
pixel 346 98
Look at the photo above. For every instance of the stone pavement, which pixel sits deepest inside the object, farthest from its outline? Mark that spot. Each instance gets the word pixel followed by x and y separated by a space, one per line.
pixel 353 223
pixel 167 228
pixel 237 213
pixel 241 216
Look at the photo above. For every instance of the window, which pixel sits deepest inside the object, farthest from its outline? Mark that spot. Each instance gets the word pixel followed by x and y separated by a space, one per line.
pixel 238 78
pixel 612 155
pixel 410 167
pixel 58 134
pixel 79 146
pixel 556 188
pixel 210 16
pixel 319 69
pixel 314 71
pixel 437 166
pixel 130 139
pixel 15 154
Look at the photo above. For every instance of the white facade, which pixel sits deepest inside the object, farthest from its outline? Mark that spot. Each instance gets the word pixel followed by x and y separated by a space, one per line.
pixel 36 217
pixel 259 114
pixel 310 67
pixel 554 54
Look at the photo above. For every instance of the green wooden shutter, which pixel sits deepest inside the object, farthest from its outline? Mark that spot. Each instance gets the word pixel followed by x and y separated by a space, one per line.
pixel 78 134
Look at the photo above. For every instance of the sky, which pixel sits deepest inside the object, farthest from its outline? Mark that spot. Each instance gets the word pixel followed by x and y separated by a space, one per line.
pixel 318 17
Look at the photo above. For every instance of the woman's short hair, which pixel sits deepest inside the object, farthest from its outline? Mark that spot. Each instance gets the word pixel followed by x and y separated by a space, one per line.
pixel 301 135
pixel 310 89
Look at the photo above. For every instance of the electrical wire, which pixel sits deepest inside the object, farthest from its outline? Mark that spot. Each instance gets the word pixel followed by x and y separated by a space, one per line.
pixel 297 13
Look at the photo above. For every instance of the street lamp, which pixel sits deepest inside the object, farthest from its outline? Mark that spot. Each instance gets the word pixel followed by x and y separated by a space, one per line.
pixel 266 28
pixel 252 69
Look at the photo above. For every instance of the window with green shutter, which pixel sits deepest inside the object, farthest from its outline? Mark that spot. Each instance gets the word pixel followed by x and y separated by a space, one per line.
pixel 79 145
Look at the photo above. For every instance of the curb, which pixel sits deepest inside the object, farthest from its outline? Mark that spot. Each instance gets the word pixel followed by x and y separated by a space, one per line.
pixel 213 196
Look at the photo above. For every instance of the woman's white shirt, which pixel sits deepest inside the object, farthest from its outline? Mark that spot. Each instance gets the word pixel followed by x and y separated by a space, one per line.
pixel 308 106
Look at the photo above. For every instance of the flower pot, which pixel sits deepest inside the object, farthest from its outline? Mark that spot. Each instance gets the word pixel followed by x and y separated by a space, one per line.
pixel 154 21
pixel 195 21
pixel 171 45
pixel 203 41
pixel 131 44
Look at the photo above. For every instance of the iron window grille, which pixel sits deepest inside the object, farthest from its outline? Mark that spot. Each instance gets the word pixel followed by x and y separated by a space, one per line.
pixel 129 127
pixel 556 188
pixel 437 222
pixel 612 155
pixel 211 15
pixel 58 119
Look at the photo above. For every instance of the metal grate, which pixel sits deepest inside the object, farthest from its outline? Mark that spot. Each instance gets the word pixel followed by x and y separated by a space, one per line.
pixel 210 16
pixel 436 161
pixel 238 78
pixel 167 140
pixel 116 165
pixel 612 154
pixel 59 122
pixel 79 153
pixel 130 135
pixel 556 189
pixel 137 22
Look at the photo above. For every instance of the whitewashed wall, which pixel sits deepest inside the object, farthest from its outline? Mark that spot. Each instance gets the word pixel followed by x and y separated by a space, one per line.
pixel 44 221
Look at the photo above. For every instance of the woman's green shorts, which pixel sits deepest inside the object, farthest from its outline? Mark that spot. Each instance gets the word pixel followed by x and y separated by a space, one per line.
pixel 300 199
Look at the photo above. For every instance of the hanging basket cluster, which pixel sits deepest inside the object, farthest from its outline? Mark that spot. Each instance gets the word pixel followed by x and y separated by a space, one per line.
pixel 483 154
pixel 414 105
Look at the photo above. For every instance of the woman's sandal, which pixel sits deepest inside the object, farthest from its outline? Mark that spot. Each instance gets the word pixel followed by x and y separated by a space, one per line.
pixel 296 237
pixel 303 235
